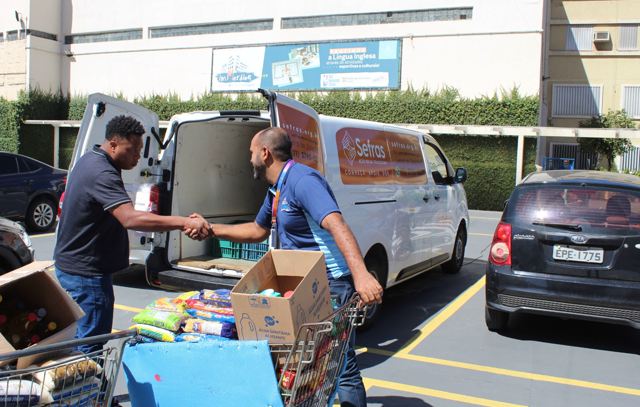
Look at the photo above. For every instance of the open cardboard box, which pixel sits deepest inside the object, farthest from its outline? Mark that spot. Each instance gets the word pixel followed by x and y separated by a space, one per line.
pixel 38 287
pixel 278 319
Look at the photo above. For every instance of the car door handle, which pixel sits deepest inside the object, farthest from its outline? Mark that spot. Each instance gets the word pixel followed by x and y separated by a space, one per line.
pixel 436 196
pixel 425 198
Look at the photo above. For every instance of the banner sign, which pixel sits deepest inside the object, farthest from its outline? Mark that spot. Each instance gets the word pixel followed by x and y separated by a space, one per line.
pixel 320 66
pixel 369 156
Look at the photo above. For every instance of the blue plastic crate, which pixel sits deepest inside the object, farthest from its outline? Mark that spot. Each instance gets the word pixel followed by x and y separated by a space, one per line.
pixel 254 251
pixel 226 249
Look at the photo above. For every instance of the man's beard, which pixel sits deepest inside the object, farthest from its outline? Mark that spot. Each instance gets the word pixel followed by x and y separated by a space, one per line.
pixel 259 171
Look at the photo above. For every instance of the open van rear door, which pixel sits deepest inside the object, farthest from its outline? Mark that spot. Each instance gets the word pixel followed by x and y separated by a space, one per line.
pixel 139 181
pixel 303 125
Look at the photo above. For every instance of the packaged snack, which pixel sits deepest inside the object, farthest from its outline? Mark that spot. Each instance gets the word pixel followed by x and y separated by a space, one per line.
pixel 70 369
pixel 22 392
pixel 202 306
pixel 161 319
pixel 211 316
pixel 219 298
pixel 196 337
pixel 167 304
pixel 210 327
pixel 154 332
pixel 186 296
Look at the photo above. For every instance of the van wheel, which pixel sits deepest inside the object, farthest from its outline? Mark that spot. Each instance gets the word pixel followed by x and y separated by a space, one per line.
pixel 373 311
pixel 41 215
pixel 457 257
pixel 496 320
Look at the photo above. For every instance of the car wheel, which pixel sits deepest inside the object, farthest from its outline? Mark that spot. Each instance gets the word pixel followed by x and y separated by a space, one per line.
pixel 496 320
pixel 457 257
pixel 41 215
pixel 373 311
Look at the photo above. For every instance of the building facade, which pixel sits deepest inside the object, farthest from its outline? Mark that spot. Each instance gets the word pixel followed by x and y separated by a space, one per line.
pixel 189 47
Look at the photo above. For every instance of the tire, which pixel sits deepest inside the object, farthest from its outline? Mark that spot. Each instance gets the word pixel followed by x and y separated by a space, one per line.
pixel 454 265
pixel 496 320
pixel 41 215
pixel 373 311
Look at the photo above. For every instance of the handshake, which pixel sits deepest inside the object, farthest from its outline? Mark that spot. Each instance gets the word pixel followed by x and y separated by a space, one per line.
pixel 197 227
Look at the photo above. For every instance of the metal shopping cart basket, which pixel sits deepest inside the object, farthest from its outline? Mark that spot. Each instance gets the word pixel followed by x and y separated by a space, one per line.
pixel 309 369
pixel 68 378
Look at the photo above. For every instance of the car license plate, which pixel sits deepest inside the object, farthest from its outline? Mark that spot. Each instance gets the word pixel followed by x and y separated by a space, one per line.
pixel 577 253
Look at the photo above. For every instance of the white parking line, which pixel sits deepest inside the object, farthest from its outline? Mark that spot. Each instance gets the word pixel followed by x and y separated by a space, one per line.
pixel 42 235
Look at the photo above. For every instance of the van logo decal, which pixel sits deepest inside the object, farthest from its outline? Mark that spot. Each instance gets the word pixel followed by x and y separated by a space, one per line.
pixel 349 148
pixel 580 239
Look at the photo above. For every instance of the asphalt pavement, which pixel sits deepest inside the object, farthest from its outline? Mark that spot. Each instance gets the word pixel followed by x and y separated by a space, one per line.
pixel 430 346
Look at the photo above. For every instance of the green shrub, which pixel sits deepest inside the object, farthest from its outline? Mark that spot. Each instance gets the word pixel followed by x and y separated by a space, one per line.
pixel 490 161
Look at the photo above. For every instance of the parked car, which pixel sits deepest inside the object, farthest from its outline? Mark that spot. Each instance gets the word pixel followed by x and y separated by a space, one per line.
pixel 30 190
pixel 568 245
pixel 15 246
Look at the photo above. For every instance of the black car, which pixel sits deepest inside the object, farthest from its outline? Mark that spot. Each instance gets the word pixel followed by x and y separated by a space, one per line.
pixel 30 191
pixel 15 246
pixel 568 245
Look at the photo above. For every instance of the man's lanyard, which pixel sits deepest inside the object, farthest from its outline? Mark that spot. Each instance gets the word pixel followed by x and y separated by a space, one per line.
pixel 275 242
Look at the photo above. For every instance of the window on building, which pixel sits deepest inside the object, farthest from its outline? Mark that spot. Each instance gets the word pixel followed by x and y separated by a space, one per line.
pixel 576 100
pixel 12 35
pixel 42 34
pixel 104 36
pixel 387 17
pixel 628 37
pixel 579 38
pixel 631 100
pixel 213 28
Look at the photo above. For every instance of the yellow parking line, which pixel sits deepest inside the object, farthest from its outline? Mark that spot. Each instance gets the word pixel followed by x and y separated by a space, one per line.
pixel 507 372
pixel 42 235
pixel 127 308
pixel 481 234
pixel 424 391
pixel 442 316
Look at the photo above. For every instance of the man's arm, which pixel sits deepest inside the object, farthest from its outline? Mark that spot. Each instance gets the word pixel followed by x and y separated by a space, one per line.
pixel 150 222
pixel 366 285
pixel 250 232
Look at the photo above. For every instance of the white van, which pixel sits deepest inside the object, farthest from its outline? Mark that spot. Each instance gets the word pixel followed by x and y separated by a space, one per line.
pixel 396 189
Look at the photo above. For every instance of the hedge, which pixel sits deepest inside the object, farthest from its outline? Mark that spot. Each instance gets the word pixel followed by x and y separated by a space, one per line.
pixel 490 180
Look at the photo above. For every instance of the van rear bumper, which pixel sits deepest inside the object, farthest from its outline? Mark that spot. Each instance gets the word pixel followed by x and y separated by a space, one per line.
pixel 575 297
pixel 178 280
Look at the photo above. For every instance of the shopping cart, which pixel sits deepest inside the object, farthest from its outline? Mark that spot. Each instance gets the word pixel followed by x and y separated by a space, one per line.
pixel 69 379
pixel 308 370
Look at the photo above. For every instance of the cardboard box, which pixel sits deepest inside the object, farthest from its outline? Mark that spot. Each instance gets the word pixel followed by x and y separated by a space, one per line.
pixel 38 286
pixel 277 319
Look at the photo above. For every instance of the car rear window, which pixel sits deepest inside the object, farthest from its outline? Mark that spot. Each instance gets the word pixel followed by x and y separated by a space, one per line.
pixel 576 208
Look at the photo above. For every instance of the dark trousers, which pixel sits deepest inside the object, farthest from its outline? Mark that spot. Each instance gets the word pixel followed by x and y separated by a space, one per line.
pixel 351 390
pixel 95 296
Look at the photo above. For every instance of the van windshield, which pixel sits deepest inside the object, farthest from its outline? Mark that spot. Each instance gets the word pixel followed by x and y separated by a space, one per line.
pixel 576 208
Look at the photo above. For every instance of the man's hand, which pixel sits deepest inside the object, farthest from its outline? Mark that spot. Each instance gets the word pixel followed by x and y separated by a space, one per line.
pixel 196 227
pixel 368 288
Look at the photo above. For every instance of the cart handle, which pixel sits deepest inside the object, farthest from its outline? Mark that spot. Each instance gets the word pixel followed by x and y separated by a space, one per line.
pixel 34 350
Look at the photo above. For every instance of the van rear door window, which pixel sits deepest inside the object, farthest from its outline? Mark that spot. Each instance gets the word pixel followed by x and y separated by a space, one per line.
pixel 369 156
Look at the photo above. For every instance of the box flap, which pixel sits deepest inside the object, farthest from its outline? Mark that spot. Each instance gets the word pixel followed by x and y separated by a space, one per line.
pixel 24 271
pixel 296 262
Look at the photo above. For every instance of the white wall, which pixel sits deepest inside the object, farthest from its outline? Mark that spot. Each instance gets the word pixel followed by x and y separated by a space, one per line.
pixel 498 48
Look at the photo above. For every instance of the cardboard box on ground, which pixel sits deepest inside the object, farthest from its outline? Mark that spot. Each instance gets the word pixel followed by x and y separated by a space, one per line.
pixel 36 286
pixel 278 319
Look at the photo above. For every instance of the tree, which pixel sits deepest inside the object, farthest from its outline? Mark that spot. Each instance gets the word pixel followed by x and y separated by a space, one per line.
pixel 609 148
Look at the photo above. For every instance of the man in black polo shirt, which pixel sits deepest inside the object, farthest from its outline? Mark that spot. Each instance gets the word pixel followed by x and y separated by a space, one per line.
pixel 92 241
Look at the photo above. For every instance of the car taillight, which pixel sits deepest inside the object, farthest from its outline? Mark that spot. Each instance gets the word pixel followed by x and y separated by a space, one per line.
pixel 154 199
pixel 60 203
pixel 500 252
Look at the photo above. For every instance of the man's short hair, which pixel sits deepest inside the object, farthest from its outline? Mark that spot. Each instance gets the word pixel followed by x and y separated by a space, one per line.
pixel 123 126
pixel 278 142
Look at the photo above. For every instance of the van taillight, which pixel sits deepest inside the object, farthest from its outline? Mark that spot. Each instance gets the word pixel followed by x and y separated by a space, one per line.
pixel 154 199
pixel 500 253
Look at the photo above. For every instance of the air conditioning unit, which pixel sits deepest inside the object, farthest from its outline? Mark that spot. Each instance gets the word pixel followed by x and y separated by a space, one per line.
pixel 601 36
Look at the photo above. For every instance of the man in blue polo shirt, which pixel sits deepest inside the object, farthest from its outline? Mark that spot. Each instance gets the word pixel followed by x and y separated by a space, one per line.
pixel 307 217
pixel 92 241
